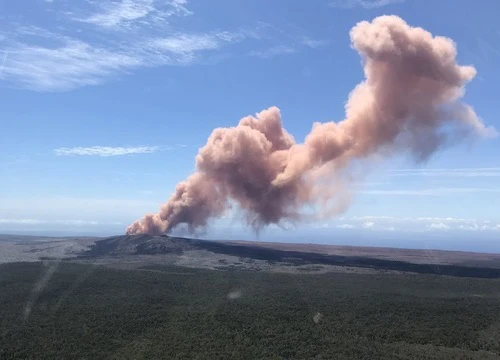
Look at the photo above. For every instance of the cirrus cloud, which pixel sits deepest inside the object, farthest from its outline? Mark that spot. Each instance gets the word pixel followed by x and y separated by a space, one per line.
pixel 365 4
pixel 86 43
pixel 106 151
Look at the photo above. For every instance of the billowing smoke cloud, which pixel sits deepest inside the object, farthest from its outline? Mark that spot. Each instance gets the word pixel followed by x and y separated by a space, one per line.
pixel 409 101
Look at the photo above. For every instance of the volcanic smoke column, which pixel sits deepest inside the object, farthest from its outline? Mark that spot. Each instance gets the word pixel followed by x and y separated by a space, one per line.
pixel 409 102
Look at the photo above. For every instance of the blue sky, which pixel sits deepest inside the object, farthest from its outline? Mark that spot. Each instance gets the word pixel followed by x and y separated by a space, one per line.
pixel 105 104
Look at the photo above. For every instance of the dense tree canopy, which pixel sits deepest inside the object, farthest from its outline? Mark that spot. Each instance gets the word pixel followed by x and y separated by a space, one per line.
pixel 73 311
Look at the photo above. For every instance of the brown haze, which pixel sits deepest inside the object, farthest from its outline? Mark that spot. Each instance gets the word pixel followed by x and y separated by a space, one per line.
pixel 409 102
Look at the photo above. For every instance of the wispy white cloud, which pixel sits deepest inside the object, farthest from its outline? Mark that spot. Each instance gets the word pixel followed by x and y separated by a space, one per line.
pixel 76 63
pixel 106 151
pixel 430 192
pixel 370 218
pixel 452 172
pixel 65 67
pixel 288 48
pixel 422 219
pixel 273 51
pixel 120 15
pixel 55 222
pixel 447 220
pixel 313 43
pixel 183 48
pixel 345 226
pixel 430 223
pixel 355 224
pixel 2 64
pixel 186 43
pixel 368 224
pixel 61 208
pixel 58 58
pixel 116 13
pixel 423 224
pixel 439 226
pixel 479 227
pixel 89 42
pixel 365 4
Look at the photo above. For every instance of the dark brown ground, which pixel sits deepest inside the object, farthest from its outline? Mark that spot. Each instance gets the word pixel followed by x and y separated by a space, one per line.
pixel 134 251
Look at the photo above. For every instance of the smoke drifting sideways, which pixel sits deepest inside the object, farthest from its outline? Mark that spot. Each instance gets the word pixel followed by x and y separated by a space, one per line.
pixel 410 101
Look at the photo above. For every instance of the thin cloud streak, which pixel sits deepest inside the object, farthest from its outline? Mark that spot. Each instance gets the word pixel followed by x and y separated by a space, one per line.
pixel 452 172
pixel 5 54
pixel 439 226
pixel 345 226
pixel 76 63
pixel 429 223
pixel 73 64
pixel 365 4
pixel 105 151
pixel 184 49
pixel 284 49
pixel 120 37
pixel 368 225
pixel 56 222
pixel 121 15
pixel 115 14
pixel 416 219
pixel 313 43
pixel 413 224
pixel 273 51
pixel 429 192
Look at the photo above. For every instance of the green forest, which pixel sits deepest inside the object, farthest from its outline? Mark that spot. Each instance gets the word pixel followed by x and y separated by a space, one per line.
pixel 74 311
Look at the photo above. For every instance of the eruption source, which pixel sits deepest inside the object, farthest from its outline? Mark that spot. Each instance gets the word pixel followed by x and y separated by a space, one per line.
pixel 409 102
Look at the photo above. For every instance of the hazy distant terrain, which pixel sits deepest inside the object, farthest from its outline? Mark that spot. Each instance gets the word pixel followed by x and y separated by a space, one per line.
pixel 135 250
pixel 417 256
pixel 14 248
